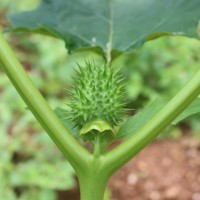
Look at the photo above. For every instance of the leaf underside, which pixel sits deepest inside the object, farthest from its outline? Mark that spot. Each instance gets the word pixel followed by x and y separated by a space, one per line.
pixel 136 122
pixel 110 25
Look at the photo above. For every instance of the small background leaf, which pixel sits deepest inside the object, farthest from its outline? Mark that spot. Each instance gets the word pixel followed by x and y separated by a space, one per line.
pixel 133 124
pixel 64 116
pixel 194 108
pixel 30 173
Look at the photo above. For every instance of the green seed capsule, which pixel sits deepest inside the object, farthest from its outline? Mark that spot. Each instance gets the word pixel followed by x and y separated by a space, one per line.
pixel 97 93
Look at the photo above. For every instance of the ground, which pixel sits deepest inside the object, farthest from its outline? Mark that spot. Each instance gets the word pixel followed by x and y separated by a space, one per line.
pixel 165 170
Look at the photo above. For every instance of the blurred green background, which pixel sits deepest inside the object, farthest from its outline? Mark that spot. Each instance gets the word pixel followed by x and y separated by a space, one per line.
pixel 31 167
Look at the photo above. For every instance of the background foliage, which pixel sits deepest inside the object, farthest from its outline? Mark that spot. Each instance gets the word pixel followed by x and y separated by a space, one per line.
pixel 159 68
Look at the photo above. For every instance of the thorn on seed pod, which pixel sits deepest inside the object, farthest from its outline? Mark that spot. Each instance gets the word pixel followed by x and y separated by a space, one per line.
pixel 97 94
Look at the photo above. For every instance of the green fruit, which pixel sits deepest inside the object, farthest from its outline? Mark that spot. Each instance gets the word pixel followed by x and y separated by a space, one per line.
pixel 97 94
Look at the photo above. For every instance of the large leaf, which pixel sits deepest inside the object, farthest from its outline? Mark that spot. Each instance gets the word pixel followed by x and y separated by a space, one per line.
pixel 110 24
pixel 133 124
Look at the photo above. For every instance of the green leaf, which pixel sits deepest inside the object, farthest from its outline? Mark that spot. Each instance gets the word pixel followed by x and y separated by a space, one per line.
pixel 98 124
pixel 43 175
pixel 194 108
pixel 136 122
pixel 65 118
pixel 118 25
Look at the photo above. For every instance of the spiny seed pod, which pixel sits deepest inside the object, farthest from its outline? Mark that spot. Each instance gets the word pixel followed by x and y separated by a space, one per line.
pixel 97 93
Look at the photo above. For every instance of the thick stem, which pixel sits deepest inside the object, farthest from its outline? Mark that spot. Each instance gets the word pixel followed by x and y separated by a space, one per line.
pixel 125 151
pixel 75 153
pixel 93 183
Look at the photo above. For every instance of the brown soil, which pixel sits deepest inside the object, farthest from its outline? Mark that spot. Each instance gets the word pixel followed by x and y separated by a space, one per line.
pixel 165 170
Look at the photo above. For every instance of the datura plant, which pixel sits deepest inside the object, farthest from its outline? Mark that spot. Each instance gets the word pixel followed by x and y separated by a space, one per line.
pixel 97 106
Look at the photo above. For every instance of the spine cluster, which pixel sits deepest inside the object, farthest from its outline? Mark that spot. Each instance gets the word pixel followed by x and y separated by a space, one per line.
pixel 97 93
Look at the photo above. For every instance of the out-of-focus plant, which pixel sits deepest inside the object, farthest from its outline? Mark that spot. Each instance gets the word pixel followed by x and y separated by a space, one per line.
pixel 30 170
pixel 30 174
pixel 151 70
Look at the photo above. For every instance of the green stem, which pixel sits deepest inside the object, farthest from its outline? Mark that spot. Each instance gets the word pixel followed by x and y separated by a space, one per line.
pixel 93 183
pixel 97 144
pixel 125 151
pixel 75 153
